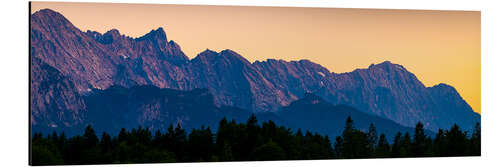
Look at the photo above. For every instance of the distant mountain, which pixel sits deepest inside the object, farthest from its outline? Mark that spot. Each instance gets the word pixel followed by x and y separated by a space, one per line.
pixel 313 113
pixel 390 91
pixel 155 108
pixel 92 61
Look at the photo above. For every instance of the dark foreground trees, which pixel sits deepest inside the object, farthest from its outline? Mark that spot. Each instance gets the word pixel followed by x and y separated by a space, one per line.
pixel 453 142
pixel 245 142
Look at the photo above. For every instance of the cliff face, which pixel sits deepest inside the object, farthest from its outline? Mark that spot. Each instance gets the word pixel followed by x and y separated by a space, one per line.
pixel 54 99
pixel 293 79
pixel 92 61
pixel 389 90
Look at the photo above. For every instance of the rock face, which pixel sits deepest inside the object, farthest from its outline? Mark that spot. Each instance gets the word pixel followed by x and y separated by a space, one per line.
pixel 54 99
pixel 292 80
pixel 232 79
pixel 390 91
pixel 92 61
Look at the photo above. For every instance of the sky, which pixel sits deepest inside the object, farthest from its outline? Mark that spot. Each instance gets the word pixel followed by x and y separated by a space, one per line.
pixel 437 46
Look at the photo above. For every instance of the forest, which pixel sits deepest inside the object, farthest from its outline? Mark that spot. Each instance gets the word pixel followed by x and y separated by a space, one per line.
pixel 247 141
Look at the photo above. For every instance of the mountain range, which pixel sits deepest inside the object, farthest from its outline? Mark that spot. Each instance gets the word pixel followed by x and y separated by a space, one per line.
pixel 74 72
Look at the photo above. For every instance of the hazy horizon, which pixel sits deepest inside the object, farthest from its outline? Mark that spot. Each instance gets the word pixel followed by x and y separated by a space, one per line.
pixel 437 46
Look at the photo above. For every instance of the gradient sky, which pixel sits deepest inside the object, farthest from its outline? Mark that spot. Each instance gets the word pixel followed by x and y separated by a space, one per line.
pixel 437 46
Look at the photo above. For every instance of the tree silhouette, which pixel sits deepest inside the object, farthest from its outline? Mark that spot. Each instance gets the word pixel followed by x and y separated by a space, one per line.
pixel 90 137
pixel 339 142
pixel 349 125
pixel 439 144
pixel 200 144
pixel 253 130
pixel 106 148
pixel 396 146
pixel 244 142
pixel 383 148
pixel 355 143
pixel 456 141
pixel 476 141
pixel 405 147
pixel 372 137
pixel 178 140
pixel 418 144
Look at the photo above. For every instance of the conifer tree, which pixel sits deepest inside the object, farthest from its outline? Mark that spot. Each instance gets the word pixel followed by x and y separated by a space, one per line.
pixel 123 135
pixel 90 137
pixel 355 142
pixel 476 140
pixel 457 141
pixel 439 144
pixel 396 146
pixel 405 149
pixel 372 137
pixel 252 128
pixel 349 125
pixel 105 143
pixel 179 140
pixel 418 144
pixel 106 148
pixel 383 148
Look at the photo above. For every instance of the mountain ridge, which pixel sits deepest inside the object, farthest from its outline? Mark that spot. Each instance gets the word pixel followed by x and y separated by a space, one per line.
pixel 92 61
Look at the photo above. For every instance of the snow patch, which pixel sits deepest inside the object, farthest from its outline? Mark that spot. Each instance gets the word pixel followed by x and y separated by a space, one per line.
pixel 124 57
pixel 322 74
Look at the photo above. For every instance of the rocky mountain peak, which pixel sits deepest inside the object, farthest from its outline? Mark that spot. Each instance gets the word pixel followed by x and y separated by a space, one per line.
pixel 50 20
pixel 387 66
pixel 113 33
pixel 154 35
pixel 227 55
pixel 207 54
pixel 108 37
pixel 233 56
pixel 49 14
pixel 174 45
pixel 444 86
pixel 388 74
pixel 445 89
pixel 229 52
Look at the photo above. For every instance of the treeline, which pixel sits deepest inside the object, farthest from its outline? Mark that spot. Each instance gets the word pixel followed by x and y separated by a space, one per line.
pixel 244 142
pixel 354 143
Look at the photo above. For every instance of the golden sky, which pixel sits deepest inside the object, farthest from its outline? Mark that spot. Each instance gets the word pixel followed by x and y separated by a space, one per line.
pixel 437 46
